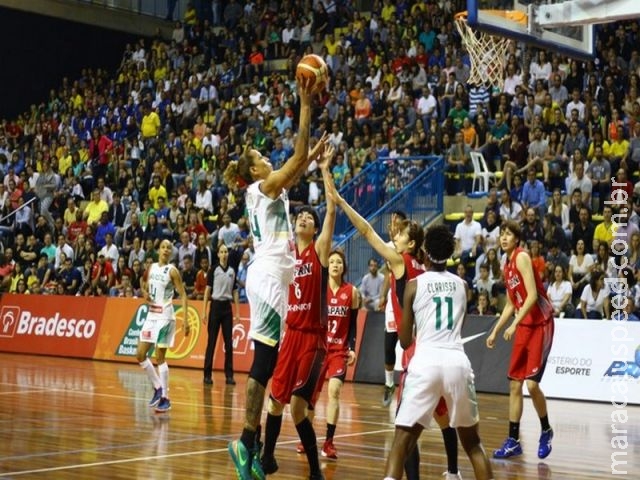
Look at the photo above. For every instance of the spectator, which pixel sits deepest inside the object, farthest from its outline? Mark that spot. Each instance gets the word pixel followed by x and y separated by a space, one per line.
pixel 485 284
pixel 136 252
pixel 605 230
pixel 594 301
pixel 510 209
pixel 599 172
pixel 69 277
pixel 556 256
pixel 458 163
pixel 188 274
pixel 200 283
pixel 110 251
pixel 185 249
pixel 45 190
pixel 102 272
pixel 371 286
pixel 482 306
pixel 95 208
pixel 62 248
pixel 468 237
pixel 531 228
pixel 533 194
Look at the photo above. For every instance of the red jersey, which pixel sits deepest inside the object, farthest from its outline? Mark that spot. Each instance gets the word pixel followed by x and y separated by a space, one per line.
pixel 542 310
pixel 307 293
pixel 339 317
pixel 412 268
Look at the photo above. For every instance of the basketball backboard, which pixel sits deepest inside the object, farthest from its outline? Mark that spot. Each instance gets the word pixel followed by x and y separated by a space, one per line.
pixel 487 15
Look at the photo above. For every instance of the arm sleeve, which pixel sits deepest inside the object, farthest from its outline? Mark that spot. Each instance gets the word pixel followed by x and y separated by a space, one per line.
pixel 353 329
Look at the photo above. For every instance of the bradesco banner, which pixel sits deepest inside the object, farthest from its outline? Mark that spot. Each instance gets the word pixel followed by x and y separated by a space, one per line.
pixel 123 319
pixel 50 325
pixel 593 360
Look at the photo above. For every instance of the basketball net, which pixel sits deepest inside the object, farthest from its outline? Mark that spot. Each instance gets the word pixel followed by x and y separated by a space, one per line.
pixel 487 53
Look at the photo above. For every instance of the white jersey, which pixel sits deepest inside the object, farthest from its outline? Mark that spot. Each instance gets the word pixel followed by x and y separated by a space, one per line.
pixel 161 289
pixel 439 307
pixel 271 231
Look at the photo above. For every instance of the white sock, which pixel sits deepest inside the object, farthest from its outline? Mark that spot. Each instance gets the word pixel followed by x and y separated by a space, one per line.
pixel 147 366
pixel 389 478
pixel 163 370
pixel 388 378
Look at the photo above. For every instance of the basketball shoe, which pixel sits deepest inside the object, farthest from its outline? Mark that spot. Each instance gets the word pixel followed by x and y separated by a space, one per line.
pixel 388 395
pixel 329 450
pixel 241 459
pixel 164 405
pixel 157 396
pixel 544 445
pixel 510 448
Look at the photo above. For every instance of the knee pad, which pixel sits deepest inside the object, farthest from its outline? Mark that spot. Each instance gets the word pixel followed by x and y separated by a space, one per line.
pixel 264 363
pixel 390 340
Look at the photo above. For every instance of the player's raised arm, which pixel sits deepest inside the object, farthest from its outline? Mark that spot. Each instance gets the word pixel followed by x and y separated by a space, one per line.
pixel 299 161
pixel 325 239
pixel 388 252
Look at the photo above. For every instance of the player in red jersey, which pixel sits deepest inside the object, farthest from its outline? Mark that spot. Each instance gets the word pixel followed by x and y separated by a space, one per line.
pixel 304 345
pixel 405 260
pixel 532 333
pixel 343 302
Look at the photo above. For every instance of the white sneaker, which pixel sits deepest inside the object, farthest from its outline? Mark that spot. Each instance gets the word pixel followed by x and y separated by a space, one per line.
pixel 452 476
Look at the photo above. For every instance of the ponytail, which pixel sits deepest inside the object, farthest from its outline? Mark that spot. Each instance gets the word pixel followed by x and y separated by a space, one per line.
pixel 230 174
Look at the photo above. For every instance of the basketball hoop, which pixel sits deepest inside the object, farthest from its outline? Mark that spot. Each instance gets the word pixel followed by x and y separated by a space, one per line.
pixel 487 52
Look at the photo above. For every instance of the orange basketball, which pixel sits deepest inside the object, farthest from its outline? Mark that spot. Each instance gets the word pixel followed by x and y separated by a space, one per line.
pixel 313 69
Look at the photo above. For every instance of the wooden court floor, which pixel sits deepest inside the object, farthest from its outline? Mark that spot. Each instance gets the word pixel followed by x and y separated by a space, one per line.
pixel 78 419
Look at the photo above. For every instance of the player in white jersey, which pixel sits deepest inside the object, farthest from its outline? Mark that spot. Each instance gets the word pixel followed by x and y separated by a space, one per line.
pixel 271 270
pixel 159 328
pixel 434 303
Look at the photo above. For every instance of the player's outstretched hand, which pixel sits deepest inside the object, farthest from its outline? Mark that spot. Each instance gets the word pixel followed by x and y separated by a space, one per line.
pixel 332 193
pixel 318 149
pixel 305 91
pixel 327 156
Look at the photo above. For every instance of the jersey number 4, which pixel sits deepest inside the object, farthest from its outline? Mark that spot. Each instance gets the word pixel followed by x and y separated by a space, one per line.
pixel 255 228
pixel 448 301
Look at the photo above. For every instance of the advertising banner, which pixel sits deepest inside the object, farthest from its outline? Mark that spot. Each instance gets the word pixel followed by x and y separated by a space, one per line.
pixel 51 325
pixel 124 319
pixel 594 360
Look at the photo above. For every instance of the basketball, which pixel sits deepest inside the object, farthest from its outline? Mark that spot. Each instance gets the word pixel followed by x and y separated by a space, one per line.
pixel 313 69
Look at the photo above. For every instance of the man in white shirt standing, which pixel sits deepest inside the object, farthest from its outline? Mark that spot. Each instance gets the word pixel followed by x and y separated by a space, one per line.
pixel 468 237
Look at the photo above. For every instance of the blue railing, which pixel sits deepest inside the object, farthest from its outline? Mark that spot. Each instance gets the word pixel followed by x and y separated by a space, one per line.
pixel 421 199
pixel 374 185
pixel 153 8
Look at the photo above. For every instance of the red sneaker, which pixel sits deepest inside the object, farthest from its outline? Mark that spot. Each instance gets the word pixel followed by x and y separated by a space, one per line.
pixel 329 450
pixel 300 448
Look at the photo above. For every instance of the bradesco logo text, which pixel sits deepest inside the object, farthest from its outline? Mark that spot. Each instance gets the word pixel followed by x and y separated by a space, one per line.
pixel 55 326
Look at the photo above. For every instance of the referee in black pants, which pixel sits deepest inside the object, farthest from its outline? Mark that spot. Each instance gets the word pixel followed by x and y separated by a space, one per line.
pixel 221 289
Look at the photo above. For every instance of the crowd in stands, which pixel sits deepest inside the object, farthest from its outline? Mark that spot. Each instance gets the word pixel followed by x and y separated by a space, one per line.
pixel 110 164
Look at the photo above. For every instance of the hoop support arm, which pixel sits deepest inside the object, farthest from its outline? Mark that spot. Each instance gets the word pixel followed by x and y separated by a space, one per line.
pixel 585 12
